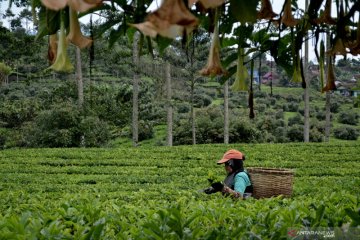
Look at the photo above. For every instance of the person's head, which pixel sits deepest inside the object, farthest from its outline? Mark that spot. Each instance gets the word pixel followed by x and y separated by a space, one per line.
pixel 233 161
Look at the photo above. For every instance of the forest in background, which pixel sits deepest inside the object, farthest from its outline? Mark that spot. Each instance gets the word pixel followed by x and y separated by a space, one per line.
pixel 39 108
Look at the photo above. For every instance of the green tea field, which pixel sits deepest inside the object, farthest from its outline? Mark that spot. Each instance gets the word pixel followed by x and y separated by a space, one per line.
pixel 154 193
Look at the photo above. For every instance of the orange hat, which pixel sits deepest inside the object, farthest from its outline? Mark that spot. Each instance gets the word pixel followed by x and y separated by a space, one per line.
pixel 231 154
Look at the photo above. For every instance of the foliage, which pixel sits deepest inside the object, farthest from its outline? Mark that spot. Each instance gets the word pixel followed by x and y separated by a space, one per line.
pixel 94 131
pixel 143 192
pixel 297 119
pixel 346 133
pixel 14 113
pixel 55 128
pixel 4 69
pixel 348 117
pixel 295 133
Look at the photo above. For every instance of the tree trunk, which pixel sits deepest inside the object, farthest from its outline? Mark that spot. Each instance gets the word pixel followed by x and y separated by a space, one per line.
pixel 259 73
pixel 80 87
pixel 169 105
pixel 226 112
pixel 192 111
pixel 327 117
pixel 306 90
pixel 79 78
pixel 328 99
pixel 135 112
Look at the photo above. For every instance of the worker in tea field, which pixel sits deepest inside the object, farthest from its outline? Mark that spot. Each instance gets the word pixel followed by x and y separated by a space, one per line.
pixel 237 182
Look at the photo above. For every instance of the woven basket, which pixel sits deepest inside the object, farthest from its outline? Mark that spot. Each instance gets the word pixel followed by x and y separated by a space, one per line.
pixel 270 182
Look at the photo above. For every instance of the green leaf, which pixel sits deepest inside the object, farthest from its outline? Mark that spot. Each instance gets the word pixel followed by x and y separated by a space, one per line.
pixel 244 10
pixel 163 43
pixel 354 216
pixel 230 72
pixel 49 22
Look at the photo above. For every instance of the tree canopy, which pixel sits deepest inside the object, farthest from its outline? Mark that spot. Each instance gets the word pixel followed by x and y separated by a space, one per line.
pixel 250 26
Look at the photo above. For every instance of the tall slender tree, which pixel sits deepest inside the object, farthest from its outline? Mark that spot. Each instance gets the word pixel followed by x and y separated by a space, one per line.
pixel 135 111
pixel 169 104
pixel 226 112
pixel 307 87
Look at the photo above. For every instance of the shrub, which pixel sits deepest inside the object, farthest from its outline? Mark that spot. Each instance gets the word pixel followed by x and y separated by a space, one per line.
pixel 348 117
pixel 279 114
pixel 183 108
pixel 292 98
pixel 346 133
pixel 260 107
pixel 95 132
pixel 55 128
pixel 182 132
pixel 297 119
pixel 320 115
pixel 202 100
pixel 2 138
pixel 243 131
pixel 296 133
pixel 14 113
pixel 292 107
pixel 280 134
pixel 315 135
pixel 334 106
pixel 357 102
pixel 146 130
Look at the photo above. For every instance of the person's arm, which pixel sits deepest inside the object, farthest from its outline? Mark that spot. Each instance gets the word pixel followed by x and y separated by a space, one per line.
pixel 232 193
pixel 239 187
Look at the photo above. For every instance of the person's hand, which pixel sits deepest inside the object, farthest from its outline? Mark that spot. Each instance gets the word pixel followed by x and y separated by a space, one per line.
pixel 218 186
pixel 209 190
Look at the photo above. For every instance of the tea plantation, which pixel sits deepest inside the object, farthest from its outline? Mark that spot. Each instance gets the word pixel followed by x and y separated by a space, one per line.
pixel 153 193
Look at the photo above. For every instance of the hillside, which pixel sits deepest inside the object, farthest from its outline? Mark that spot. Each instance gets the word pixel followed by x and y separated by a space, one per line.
pixel 278 111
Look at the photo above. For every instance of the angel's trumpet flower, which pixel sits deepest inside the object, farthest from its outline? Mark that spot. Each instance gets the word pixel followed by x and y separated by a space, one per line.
pixel 296 77
pixel 330 83
pixel 266 11
pixel 78 5
pixel 52 50
pixel 214 66
pixel 83 5
pixel 55 4
pixel 170 20
pixel 62 62
pixel 326 16
pixel 288 18
pixel 75 36
pixel 355 48
pixel 242 75
pixel 208 3
pixel 338 48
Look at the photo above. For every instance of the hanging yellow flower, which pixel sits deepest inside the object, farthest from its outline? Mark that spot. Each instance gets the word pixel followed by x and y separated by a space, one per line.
pixel 242 75
pixel 62 62
pixel 296 77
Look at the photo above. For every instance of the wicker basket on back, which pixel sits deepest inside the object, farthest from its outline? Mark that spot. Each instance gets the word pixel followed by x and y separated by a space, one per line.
pixel 270 182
